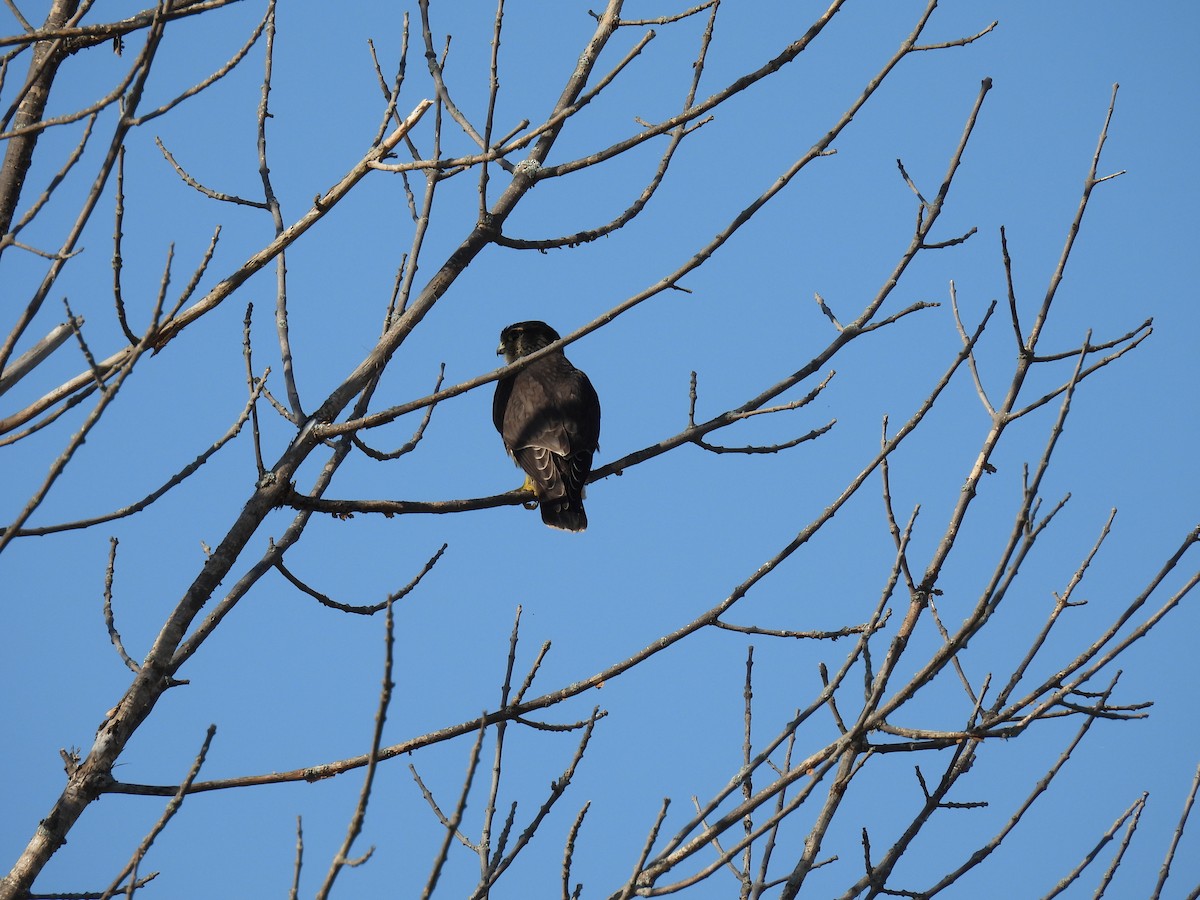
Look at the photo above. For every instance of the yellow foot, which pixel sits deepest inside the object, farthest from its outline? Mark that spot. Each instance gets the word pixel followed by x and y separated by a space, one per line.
pixel 527 485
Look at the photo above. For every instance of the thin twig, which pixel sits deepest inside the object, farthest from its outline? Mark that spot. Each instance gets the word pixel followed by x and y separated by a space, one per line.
pixel 107 394
pixel 272 205
pixel 453 822
pixel 569 852
pixel 294 894
pixel 366 610
pixel 109 622
pixel 354 829
pixel 119 216
pixel 1165 870
pixel 174 481
pixel 1131 815
pixel 196 185
pixel 131 868
pixel 558 787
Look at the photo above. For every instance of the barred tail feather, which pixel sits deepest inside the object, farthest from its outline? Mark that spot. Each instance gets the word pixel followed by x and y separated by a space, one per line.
pixel 564 514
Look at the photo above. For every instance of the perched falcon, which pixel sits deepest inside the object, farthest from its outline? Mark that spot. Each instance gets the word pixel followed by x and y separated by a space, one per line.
pixel 549 416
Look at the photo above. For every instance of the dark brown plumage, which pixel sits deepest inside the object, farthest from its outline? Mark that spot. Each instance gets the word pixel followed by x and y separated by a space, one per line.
pixel 549 417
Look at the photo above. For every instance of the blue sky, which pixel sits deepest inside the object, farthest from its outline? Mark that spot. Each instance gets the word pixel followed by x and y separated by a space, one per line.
pixel 291 684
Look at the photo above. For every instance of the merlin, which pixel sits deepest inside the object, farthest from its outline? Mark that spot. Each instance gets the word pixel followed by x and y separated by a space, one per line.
pixel 549 417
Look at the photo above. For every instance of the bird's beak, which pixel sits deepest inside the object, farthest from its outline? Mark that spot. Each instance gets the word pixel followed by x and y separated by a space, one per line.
pixel 500 350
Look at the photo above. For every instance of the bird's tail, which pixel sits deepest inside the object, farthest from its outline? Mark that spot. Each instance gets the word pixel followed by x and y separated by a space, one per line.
pixel 564 513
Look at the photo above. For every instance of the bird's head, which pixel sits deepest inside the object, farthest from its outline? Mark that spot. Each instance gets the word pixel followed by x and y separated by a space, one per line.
pixel 522 338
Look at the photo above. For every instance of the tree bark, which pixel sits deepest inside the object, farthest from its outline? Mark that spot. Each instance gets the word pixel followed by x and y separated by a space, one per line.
pixel 47 56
